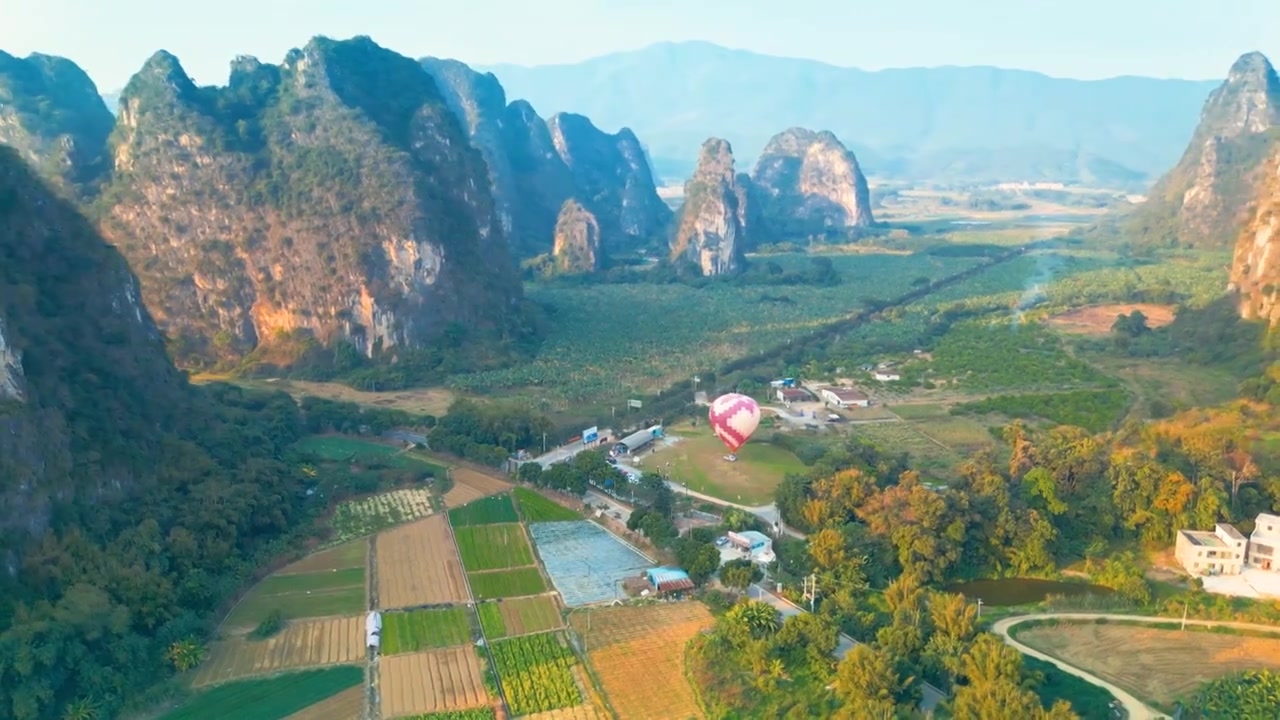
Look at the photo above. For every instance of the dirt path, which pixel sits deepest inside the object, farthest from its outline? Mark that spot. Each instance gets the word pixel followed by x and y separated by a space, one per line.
pixel 1136 709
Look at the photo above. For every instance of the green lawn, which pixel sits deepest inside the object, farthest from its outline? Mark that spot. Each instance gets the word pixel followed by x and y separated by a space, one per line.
pixel 339 448
pixel 698 460
pixel 536 508
pixel 424 629
pixel 485 511
pixel 301 595
pixel 311 582
pixel 270 698
pixel 493 547
pixel 506 583
pixel 920 411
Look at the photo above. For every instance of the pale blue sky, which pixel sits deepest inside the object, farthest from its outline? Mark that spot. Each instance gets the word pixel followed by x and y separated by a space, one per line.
pixel 1067 38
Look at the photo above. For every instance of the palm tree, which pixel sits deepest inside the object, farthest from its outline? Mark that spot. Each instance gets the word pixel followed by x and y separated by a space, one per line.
pixel 185 654
pixel 82 709
pixel 757 618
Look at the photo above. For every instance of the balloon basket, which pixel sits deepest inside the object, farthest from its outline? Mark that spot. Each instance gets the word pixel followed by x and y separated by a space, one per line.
pixel 731 458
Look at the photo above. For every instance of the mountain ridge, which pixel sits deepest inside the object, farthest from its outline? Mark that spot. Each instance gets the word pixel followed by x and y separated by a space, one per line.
pixel 723 93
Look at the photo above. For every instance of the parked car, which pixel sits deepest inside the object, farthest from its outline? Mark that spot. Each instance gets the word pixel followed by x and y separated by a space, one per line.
pixel 611 460
pixel 722 541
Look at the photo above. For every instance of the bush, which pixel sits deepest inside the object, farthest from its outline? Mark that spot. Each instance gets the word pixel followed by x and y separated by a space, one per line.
pixel 273 623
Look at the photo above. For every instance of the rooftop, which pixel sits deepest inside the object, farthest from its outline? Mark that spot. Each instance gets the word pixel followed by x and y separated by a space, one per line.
pixel 1203 538
pixel 754 536
pixel 1230 531
pixel 1264 520
pixel 665 579
pixel 846 394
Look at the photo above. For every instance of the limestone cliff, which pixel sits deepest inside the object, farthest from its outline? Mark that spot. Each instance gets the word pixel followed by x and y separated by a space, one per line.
pixel 810 183
pixel 1255 270
pixel 577 248
pixel 50 111
pixel 1207 198
pixel 85 385
pixel 712 230
pixel 613 180
pixel 334 193
pixel 530 181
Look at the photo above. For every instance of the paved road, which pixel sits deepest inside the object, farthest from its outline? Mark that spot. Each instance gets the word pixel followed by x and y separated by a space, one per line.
pixel 930 696
pixel 1136 709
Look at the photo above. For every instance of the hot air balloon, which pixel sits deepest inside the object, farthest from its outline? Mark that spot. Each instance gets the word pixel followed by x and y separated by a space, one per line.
pixel 733 418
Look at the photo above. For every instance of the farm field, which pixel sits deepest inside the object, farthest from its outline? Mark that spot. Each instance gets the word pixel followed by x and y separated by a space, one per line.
pixel 424 629
pixel 1167 382
pixel 269 698
pixel 470 485
pixel 580 712
pixel 306 643
pixel 354 554
pixel 325 592
pixel 536 673
pixel 519 616
pixel 418 401
pixel 346 705
pixel 417 565
pixel 630 641
pixel 341 448
pixel 432 681
pixel 1155 664
pixel 493 547
pixel 672 339
pixel 697 458
pixel 506 583
pixel 366 516
pixel 536 508
pixel 928 455
pixel 585 561
pixel 486 511
pixel 1098 319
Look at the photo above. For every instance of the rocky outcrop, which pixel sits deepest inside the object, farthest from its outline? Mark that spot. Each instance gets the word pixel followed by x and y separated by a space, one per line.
pixel 85 385
pixel 1255 270
pixel 712 228
pixel 612 179
pixel 1207 198
pixel 577 247
pixel 334 193
pixel 809 183
pixel 51 113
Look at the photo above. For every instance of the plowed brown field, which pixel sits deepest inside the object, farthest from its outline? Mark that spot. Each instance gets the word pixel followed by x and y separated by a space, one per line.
pixel 302 643
pixel 627 643
pixel 346 705
pixel 418 565
pixel 434 681
pixel 471 485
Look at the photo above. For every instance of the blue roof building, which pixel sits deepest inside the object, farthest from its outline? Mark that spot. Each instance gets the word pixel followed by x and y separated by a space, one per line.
pixel 665 579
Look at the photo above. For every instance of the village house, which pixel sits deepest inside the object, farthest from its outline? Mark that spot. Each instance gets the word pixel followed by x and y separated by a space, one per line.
pixel 788 395
pixel 845 397
pixel 1226 551
pixel 886 376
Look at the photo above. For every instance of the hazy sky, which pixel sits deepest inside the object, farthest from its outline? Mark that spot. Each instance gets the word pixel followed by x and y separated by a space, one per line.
pixel 1069 38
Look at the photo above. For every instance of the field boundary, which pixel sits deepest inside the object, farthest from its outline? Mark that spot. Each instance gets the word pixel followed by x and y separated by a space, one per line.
pixel 474 607
pixel 1137 709
pixel 372 697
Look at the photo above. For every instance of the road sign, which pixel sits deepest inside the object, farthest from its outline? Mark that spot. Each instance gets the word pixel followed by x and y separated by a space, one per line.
pixel 635 404
pixel 590 435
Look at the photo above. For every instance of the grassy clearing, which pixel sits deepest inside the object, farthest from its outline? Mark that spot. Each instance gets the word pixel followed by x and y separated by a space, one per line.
pixel 1163 385
pixel 919 411
pixel 507 583
pixel 268 699
pixel 424 630
pixel 698 459
pixel 343 557
pixel 297 595
pixel 338 448
pixel 486 511
pixel 312 582
pixel 928 455
pixel 493 547
pixel 536 508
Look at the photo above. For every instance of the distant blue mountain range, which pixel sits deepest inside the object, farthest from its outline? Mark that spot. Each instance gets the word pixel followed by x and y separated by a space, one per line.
pixel 962 124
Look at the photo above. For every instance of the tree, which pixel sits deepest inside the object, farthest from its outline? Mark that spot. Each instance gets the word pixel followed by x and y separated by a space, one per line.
pixel 754 619
pixel 869 685
pixel 739 574
pixel 1250 695
pixel 698 559
pixel 530 472
pixel 993 688
pixel 185 654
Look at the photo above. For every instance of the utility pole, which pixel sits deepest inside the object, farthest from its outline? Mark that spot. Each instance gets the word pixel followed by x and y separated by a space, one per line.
pixel 544 443
pixel 1184 615
pixel 810 589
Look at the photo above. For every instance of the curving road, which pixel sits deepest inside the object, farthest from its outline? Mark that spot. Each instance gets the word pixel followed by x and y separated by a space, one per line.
pixel 1136 709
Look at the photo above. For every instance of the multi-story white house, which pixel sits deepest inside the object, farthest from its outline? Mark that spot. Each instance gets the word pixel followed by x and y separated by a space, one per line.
pixel 1226 551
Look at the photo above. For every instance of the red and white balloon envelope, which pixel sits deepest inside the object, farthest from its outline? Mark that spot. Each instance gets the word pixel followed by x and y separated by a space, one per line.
pixel 733 418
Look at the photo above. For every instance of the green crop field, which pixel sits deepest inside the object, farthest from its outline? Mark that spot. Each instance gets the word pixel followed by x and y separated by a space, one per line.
pixel 685 329
pixel 338 448
pixel 697 460
pixel 424 629
pixel 519 616
pixel 536 508
pixel 493 547
pixel 303 594
pixel 473 714
pixel 506 583
pixel 485 511
pixel 536 672
pixel 267 699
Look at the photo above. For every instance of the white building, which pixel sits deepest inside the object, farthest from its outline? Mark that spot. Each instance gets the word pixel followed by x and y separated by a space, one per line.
pixel 755 545
pixel 886 376
pixel 373 629
pixel 844 397
pixel 1263 543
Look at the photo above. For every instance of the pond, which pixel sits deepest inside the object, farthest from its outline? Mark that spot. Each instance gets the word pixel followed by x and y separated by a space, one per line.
pixel 1002 592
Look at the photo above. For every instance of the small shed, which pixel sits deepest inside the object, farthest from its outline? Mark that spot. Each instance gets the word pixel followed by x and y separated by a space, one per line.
pixel 373 629
pixel 636 440
pixel 666 579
